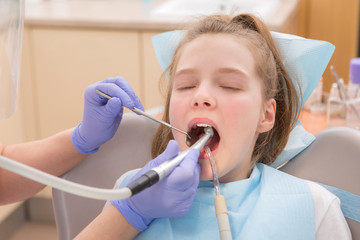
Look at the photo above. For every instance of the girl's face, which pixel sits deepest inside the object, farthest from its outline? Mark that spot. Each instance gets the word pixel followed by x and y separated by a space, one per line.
pixel 215 83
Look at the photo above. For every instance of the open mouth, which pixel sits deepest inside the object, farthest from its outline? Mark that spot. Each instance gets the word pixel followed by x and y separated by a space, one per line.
pixel 196 133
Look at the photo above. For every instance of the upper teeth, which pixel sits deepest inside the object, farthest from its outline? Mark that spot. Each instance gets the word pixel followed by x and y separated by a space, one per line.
pixel 202 125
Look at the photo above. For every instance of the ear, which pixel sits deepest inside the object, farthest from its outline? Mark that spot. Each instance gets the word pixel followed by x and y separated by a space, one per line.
pixel 267 119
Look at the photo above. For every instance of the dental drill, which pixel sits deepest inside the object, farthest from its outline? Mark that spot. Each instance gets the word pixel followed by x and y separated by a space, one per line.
pixel 148 179
pixel 157 173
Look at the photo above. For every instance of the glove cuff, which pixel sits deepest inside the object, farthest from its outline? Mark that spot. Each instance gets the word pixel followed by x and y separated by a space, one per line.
pixel 77 141
pixel 130 215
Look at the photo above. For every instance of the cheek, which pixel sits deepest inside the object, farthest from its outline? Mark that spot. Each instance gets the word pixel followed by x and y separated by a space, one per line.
pixel 176 113
pixel 179 104
pixel 241 117
pixel 244 110
pixel 206 173
pixel 175 109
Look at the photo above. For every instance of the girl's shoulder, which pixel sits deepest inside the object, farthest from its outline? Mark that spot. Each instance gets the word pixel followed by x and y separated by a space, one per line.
pixel 330 222
pixel 322 196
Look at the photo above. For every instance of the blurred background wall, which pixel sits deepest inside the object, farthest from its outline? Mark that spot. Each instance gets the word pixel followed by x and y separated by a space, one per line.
pixel 336 22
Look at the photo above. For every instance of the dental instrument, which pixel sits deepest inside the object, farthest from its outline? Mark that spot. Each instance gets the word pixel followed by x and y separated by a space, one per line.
pixel 157 173
pixel 148 179
pixel 221 211
pixel 339 83
pixel 138 111
pixel 194 136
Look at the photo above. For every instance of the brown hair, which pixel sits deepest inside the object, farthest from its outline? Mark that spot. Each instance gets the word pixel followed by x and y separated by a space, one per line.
pixel 277 83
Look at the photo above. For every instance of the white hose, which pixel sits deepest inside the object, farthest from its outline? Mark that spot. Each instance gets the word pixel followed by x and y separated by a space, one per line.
pixel 62 184
pixel 222 216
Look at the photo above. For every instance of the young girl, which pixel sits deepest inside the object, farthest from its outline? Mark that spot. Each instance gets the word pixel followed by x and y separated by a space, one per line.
pixel 227 73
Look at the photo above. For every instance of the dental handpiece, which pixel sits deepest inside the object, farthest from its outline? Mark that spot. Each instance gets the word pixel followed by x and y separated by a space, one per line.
pixel 157 173
pixel 140 112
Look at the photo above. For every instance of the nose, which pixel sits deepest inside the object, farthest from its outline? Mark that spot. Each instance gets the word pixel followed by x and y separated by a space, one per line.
pixel 204 98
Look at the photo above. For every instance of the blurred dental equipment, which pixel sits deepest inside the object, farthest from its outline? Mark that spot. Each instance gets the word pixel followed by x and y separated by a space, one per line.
pixel 354 78
pixel 220 204
pixel 343 94
pixel 148 179
pixel 138 111
pixel 340 85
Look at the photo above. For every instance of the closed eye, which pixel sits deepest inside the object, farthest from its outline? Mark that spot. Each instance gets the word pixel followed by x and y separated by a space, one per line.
pixel 231 88
pixel 186 87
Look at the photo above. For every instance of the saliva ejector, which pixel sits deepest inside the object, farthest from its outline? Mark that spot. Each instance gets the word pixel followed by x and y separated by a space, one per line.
pixel 221 211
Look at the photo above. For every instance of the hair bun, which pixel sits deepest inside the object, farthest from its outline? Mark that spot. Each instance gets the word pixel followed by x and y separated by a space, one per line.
pixel 247 21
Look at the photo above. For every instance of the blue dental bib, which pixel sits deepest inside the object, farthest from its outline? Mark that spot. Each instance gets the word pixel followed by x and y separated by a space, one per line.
pixel 269 204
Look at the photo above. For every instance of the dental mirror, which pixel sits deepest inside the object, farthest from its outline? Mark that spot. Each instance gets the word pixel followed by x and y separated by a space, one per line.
pixel 191 138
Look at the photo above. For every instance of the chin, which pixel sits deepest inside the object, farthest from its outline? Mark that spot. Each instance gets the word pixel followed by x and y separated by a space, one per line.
pixel 206 173
pixel 206 177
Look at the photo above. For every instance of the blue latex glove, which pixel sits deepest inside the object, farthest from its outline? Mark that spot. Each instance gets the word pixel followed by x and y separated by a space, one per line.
pixel 101 116
pixel 169 198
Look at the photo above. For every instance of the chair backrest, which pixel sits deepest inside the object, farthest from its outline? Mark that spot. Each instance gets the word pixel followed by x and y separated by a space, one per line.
pixel 128 149
pixel 332 159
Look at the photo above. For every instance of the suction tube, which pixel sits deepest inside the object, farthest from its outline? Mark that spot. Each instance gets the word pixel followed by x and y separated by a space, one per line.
pixel 62 184
pixel 157 173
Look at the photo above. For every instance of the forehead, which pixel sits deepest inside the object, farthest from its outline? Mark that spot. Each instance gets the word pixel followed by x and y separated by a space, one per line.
pixel 217 50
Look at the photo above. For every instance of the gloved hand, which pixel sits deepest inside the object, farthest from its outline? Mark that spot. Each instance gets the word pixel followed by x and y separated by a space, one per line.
pixel 101 116
pixel 169 198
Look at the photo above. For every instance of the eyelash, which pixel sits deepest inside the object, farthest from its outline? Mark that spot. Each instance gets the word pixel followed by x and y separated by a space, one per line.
pixel 185 87
pixel 231 88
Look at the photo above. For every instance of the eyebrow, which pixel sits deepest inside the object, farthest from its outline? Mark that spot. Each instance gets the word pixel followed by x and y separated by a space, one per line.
pixel 185 71
pixel 226 70
pixel 233 70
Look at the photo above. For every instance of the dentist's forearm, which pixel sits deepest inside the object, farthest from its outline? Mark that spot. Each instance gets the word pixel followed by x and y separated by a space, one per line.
pixel 55 155
pixel 110 224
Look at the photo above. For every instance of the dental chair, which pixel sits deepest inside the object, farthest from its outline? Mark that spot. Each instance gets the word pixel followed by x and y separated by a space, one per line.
pixel 332 159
